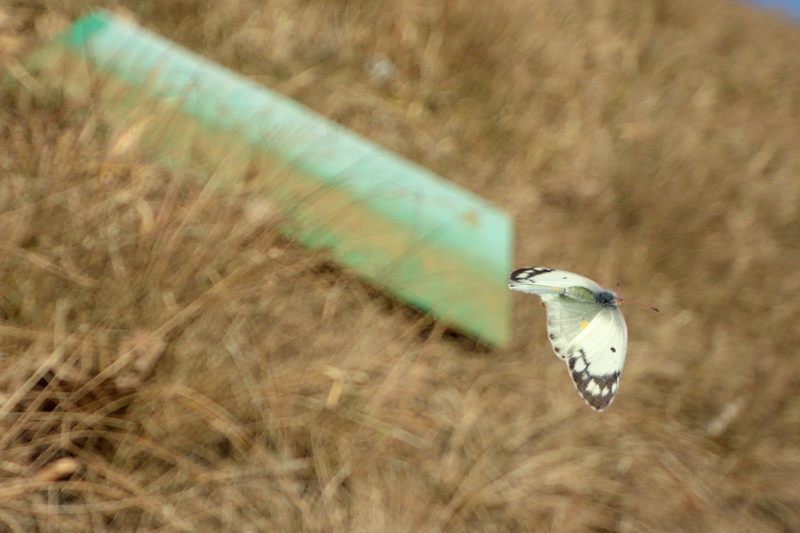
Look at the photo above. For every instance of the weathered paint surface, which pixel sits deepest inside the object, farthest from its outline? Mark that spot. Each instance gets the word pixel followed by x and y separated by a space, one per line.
pixel 431 243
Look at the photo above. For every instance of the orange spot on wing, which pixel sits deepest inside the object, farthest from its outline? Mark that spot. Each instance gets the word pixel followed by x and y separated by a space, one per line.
pixel 584 323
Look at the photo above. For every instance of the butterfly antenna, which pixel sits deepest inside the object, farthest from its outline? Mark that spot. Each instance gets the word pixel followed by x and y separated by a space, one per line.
pixel 640 304
pixel 620 301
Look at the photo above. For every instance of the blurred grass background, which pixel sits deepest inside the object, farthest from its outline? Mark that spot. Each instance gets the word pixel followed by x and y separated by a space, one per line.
pixel 652 143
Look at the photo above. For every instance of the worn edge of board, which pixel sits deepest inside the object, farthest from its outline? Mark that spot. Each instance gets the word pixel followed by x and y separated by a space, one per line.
pixel 427 241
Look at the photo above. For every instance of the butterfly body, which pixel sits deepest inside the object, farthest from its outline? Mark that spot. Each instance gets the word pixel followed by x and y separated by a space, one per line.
pixel 581 294
pixel 585 328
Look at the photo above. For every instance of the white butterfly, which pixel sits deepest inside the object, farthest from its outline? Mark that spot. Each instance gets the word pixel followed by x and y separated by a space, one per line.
pixel 585 327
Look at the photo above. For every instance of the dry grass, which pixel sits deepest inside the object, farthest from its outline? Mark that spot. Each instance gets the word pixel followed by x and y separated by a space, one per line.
pixel 169 362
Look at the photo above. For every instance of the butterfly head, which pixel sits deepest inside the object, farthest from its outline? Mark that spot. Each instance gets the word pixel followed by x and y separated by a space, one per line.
pixel 607 298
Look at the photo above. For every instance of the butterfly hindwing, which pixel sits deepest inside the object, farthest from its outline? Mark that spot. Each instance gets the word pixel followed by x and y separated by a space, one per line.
pixel 596 357
pixel 566 318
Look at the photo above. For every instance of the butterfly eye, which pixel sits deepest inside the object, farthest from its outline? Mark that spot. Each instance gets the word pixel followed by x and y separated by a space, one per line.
pixel 605 298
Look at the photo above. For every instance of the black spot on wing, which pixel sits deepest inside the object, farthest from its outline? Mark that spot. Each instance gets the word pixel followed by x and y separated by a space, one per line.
pixel 597 390
pixel 528 273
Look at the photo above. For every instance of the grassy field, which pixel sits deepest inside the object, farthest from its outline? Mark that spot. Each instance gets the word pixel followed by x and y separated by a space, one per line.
pixel 169 362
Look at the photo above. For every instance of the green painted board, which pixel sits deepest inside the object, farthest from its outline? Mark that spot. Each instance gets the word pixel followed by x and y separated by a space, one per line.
pixel 421 238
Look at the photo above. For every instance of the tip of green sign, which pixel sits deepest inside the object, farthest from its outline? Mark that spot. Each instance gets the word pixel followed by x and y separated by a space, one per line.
pixel 84 28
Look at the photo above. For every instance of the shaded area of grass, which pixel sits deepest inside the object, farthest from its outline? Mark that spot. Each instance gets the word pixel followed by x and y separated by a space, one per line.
pixel 651 143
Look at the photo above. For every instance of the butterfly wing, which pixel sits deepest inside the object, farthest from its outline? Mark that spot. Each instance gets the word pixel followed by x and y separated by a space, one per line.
pixel 542 280
pixel 566 319
pixel 596 357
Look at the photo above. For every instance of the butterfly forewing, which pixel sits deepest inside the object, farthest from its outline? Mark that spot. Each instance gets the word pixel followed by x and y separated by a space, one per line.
pixel 541 280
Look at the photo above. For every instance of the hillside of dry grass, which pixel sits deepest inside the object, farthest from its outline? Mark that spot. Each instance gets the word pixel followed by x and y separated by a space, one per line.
pixel 169 361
